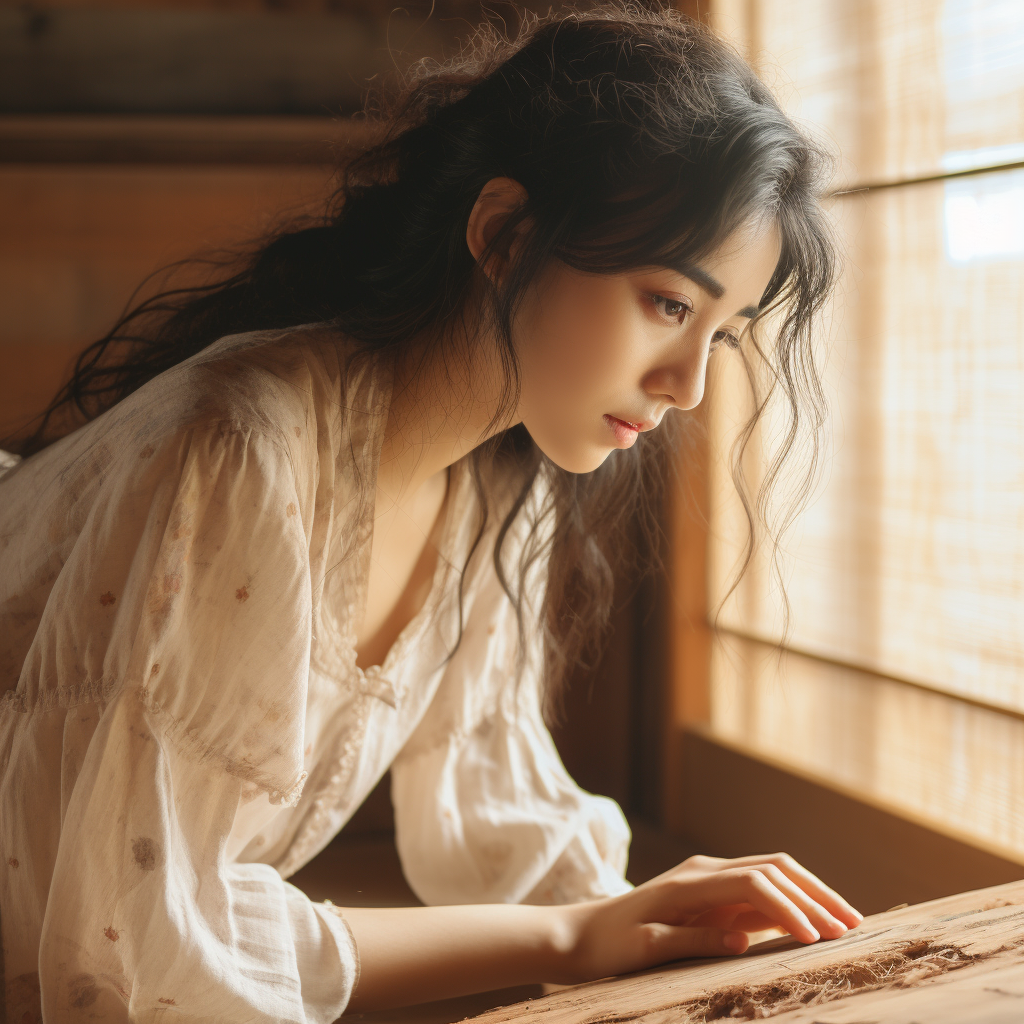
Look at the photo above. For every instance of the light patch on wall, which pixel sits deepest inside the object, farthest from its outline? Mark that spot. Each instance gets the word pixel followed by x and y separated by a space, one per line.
pixel 983 69
pixel 984 217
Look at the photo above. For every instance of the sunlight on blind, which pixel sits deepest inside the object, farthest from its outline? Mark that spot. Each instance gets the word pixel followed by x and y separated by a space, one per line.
pixel 908 567
pixel 911 561
pixel 985 218
pixel 904 89
pixel 930 758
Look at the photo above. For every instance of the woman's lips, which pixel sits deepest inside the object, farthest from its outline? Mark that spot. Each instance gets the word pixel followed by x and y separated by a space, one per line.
pixel 625 432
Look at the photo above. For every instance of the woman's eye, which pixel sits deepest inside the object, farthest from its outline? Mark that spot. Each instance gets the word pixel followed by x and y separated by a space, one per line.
pixel 724 338
pixel 678 310
pixel 673 307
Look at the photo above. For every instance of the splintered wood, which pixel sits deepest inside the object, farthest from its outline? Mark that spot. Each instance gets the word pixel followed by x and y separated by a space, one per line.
pixel 958 960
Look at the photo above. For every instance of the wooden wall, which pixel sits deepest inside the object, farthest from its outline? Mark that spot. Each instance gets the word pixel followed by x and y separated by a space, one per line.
pixel 76 241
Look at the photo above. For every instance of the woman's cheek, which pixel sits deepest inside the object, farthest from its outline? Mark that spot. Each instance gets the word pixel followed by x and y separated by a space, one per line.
pixel 597 360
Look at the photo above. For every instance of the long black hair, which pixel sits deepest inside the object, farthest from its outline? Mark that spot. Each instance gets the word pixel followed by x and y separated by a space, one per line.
pixel 640 139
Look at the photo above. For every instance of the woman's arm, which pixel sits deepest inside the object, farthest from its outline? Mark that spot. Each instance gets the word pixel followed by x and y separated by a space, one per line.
pixel 704 907
pixel 196 570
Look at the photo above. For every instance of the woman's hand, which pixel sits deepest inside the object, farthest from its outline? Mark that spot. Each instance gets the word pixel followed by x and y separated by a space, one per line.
pixel 413 954
pixel 705 906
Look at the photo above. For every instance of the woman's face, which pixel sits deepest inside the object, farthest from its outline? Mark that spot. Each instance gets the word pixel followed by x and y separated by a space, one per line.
pixel 606 356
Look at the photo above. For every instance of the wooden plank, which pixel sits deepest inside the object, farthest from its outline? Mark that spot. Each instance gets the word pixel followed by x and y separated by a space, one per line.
pixel 948 961
pixel 76 241
pixel 304 56
pixel 201 61
pixel 442 9
pixel 170 139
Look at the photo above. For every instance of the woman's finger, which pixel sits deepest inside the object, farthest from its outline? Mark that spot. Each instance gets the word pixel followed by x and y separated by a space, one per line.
pixel 697 895
pixel 815 888
pixel 741 919
pixel 825 922
pixel 680 943
pixel 797 873
pixel 754 921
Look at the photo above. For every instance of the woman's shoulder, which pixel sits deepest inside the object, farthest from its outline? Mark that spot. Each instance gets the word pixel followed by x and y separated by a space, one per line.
pixel 265 388
pixel 258 402
pixel 267 382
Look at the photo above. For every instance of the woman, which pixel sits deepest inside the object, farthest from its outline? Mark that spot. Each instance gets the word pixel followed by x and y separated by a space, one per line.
pixel 354 507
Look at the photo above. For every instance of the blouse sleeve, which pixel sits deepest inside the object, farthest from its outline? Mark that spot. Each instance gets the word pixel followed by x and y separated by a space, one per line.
pixel 485 811
pixel 204 593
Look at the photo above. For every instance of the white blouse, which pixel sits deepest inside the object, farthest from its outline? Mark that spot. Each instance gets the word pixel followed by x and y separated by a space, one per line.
pixel 182 722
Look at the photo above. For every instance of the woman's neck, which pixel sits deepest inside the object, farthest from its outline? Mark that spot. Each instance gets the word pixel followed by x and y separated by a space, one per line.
pixel 443 402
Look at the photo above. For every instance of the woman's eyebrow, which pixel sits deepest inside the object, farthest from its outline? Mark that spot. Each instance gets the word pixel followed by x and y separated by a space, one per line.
pixel 713 287
pixel 702 278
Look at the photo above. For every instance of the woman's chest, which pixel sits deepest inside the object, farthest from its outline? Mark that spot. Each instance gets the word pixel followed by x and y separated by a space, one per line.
pixel 402 563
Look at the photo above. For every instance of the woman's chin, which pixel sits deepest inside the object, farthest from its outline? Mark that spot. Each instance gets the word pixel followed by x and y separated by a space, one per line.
pixel 581 459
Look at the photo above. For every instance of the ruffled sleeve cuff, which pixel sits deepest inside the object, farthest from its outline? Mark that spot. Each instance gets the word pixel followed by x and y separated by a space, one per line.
pixel 328 957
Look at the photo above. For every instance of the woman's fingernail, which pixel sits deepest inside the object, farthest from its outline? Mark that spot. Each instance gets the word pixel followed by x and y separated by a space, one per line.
pixel 813 933
pixel 735 942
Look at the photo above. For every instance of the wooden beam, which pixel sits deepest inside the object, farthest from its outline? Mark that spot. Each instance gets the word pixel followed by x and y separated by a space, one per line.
pixel 170 139
pixel 198 61
pixel 688 693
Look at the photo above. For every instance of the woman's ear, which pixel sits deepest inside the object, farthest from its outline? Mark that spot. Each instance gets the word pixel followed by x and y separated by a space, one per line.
pixel 498 199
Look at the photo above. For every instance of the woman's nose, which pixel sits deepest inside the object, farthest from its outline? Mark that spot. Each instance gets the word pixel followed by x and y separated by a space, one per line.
pixel 682 385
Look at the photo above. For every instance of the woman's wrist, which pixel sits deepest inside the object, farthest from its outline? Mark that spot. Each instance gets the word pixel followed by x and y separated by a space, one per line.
pixel 571 928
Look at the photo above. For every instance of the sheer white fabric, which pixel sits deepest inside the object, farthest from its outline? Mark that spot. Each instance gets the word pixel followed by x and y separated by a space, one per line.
pixel 183 724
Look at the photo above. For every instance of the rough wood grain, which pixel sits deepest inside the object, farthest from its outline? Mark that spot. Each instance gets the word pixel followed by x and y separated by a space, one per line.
pixel 950 961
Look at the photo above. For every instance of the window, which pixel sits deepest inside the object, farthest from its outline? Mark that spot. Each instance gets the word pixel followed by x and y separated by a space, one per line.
pixel 902 675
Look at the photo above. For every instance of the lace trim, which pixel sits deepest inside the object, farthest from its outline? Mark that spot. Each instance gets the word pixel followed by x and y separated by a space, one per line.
pixel 241 768
pixel 330 795
pixel 102 691
pixel 92 691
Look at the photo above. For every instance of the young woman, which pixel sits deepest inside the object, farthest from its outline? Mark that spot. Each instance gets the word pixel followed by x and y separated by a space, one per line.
pixel 353 508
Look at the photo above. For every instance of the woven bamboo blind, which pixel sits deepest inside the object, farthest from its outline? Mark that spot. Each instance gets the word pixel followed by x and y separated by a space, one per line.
pixel 902 675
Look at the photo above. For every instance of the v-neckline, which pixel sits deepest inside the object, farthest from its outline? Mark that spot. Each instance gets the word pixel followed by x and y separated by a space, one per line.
pixel 415 626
